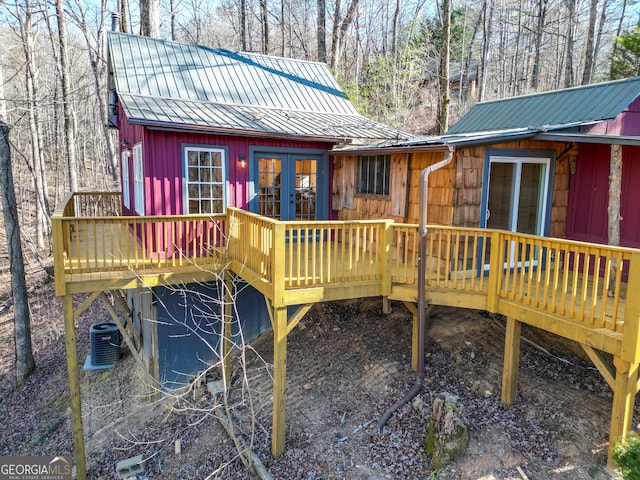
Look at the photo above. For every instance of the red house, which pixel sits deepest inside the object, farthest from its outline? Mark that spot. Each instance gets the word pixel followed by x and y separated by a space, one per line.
pixel 202 129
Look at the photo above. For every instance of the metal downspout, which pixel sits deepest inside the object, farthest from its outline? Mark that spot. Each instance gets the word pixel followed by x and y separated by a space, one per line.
pixel 422 270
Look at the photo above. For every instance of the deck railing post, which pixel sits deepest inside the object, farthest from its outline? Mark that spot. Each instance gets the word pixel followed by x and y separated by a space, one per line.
pixel 386 247
pixel 495 270
pixel 631 335
pixel 59 250
pixel 277 263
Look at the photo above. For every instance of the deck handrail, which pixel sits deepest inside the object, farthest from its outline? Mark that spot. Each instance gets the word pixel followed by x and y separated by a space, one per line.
pixel 585 283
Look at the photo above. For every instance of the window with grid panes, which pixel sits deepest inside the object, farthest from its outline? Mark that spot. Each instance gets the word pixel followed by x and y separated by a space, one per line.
pixel 204 183
pixel 373 174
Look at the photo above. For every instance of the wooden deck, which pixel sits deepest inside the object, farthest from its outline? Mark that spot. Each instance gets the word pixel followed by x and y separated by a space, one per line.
pixel 572 289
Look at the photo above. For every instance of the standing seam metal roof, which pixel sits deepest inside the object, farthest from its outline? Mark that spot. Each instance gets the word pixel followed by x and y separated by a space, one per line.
pixel 179 84
pixel 551 110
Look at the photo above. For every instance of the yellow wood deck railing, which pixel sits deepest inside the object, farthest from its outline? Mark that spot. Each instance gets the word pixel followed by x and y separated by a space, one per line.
pixel 576 290
pixel 292 261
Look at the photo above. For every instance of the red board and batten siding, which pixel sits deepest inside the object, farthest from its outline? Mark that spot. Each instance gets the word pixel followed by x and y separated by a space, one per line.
pixel 163 163
pixel 589 192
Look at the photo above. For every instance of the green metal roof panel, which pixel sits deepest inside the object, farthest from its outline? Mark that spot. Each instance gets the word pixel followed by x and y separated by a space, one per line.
pixel 181 84
pixel 196 114
pixel 551 110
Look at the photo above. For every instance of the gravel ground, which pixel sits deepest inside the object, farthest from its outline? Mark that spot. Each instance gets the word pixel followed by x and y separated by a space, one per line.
pixel 347 363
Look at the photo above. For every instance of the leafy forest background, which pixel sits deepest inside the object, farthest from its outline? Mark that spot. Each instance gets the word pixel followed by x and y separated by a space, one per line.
pixel 417 65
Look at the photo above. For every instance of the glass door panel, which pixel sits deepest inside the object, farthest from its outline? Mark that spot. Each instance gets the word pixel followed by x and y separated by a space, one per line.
pixel 306 189
pixel 501 186
pixel 516 201
pixel 529 201
pixel 269 186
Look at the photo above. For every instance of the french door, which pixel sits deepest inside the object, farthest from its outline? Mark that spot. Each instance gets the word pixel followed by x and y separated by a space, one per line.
pixel 290 186
pixel 517 199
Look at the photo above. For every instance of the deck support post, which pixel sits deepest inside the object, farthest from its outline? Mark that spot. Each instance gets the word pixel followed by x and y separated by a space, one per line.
pixel 414 334
pixel 227 322
pixel 279 380
pixel 624 394
pixel 511 361
pixel 74 386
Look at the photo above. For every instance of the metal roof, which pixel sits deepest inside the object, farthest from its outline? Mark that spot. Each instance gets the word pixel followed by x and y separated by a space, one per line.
pixel 551 110
pixel 192 86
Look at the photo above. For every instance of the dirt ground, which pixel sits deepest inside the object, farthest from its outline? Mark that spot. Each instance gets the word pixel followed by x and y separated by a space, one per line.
pixel 347 363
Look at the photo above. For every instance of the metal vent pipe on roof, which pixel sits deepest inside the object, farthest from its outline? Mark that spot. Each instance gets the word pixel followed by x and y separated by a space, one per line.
pixel 115 22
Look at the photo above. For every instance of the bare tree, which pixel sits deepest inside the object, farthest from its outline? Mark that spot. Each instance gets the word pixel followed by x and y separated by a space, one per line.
pixel 172 20
pixel 443 105
pixel 37 165
pixel 264 22
pixel 25 363
pixel 487 16
pixel 571 24
pixel 618 32
pixel 123 16
pixel 596 49
pixel 537 53
pixel 150 18
pixel 69 134
pixel 322 31
pixel 589 50
pixel 340 29
pixel 96 60
pixel 394 34
pixel 243 24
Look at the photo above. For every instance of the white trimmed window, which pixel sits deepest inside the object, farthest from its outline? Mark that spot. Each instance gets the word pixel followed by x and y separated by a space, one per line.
pixel 138 179
pixel 204 183
pixel 124 169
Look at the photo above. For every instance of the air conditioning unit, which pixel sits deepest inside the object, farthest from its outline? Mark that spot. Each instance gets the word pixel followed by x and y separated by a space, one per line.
pixel 105 344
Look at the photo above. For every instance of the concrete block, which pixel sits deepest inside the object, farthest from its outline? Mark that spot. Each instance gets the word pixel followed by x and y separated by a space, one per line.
pixel 130 466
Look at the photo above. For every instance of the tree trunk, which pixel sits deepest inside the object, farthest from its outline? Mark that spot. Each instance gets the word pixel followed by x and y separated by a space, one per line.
pixel 613 209
pixel 618 32
pixel 264 19
pixel 443 106
pixel 37 152
pixel 283 27
pixel 335 35
pixel 394 33
pixel 69 136
pixel 25 363
pixel 243 24
pixel 150 18
pixel 487 12
pixel 123 16
pixel 596 49
pixel 464 78
pixel 342 32
pixel 95 56
pixel 322 31
pixel 589 47
pixel 172 19
pixel 571 22
pixel 542 15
